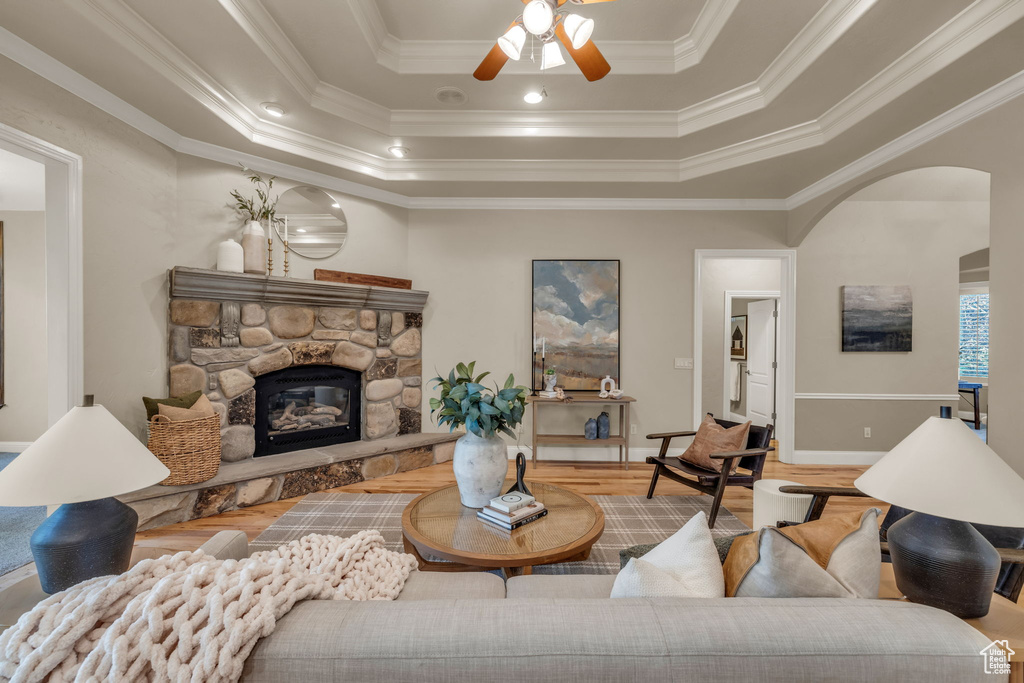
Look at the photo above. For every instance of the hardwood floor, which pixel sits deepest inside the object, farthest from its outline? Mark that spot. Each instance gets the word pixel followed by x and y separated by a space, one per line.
pixel 586 477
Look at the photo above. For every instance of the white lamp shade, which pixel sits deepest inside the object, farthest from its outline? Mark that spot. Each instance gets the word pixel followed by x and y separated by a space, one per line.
pixel 943 469
pixel 87 455
pixel 512 42
pixel 579 29
pixel 538 17
pixel 551 56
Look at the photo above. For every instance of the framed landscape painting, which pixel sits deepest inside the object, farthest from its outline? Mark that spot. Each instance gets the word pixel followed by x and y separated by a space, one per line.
pixel 878 318
pixel 576 322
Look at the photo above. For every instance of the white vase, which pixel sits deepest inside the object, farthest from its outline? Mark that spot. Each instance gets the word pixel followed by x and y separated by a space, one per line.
pixel 254 246
pixel 480 466
pixel 230 258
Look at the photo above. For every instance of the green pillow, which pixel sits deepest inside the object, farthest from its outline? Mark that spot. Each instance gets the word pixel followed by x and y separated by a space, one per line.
pixel 722 544
pixel 153 404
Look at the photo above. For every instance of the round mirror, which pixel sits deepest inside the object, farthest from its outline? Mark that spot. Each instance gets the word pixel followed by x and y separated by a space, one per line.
pixel 316 225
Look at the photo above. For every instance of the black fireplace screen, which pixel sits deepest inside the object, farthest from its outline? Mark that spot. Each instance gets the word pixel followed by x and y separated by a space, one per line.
pixel 306 407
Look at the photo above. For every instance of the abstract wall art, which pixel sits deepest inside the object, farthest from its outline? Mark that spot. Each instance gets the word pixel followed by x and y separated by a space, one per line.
pixel 576 322
pixel 878 318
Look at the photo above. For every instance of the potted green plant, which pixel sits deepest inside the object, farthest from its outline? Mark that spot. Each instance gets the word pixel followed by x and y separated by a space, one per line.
pixel 481 460
pixel 550 380
pixel 255 210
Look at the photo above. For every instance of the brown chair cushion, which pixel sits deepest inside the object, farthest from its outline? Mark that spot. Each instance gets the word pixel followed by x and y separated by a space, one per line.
pixel 153 404
pixel 201 408
pixel 714 438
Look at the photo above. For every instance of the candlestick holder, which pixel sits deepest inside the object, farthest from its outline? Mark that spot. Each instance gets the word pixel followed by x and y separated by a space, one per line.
pixel 285 257
pixel 270 256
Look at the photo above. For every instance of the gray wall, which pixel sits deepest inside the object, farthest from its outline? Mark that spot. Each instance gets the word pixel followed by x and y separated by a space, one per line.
pixel 477 266
pixel 23 417
pixel 917 243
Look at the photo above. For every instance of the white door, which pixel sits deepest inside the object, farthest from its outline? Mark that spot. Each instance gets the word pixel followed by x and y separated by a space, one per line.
pixel 761 361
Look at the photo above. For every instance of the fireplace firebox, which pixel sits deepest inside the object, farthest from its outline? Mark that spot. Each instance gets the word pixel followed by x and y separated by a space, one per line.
pixel 306 407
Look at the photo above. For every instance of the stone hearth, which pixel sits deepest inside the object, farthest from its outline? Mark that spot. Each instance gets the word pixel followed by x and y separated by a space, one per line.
pixel 264 480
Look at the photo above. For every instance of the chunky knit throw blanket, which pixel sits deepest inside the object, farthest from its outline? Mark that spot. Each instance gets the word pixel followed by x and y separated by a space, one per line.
pixel 191 617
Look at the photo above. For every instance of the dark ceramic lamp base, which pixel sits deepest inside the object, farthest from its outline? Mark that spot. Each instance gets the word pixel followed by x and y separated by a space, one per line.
pixel 81 541
pixel 943 563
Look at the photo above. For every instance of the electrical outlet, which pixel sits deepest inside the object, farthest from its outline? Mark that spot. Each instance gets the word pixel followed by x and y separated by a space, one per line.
pixel 867 432
pixel 684 364
pixel 632 429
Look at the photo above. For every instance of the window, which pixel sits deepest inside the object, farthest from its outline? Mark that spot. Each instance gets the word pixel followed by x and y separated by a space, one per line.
pixel 974 335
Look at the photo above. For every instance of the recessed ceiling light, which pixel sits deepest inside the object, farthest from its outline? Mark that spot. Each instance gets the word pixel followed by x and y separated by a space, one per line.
pixel 450 95
pixel 303 229
pixel 400 152
pixel 335 205
pixel 534 97
pixel 273 109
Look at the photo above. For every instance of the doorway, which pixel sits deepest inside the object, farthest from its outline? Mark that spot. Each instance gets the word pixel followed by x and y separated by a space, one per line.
pixel 725 276
pixel 750 357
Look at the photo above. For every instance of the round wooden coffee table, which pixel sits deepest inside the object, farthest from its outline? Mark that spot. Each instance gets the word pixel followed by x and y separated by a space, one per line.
pixel 436 525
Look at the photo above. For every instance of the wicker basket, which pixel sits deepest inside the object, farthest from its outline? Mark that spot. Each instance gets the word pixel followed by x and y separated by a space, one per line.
pixel 190 449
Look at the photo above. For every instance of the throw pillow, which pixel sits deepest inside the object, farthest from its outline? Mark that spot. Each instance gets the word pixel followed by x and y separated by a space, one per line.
pixel 153 404
pixel 722 545
pixel 711 438
pixel 201 408
pixel 835 557
pixel 684 565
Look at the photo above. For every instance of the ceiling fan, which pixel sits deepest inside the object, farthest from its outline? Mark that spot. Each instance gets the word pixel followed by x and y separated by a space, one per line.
pixel 546 20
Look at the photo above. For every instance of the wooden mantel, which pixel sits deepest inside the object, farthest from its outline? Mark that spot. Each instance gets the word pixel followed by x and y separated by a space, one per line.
pixel 197 283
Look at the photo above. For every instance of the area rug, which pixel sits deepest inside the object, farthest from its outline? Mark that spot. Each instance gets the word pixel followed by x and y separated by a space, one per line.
pixel 629 520
pixel 16 527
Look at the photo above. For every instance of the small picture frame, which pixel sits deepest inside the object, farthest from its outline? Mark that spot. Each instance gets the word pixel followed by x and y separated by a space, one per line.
pixel 738 338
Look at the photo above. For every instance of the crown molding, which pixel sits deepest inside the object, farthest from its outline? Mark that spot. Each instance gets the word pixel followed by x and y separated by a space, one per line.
pixel 963 113
pixel 463 56
pixel 973 26
pixel 37 61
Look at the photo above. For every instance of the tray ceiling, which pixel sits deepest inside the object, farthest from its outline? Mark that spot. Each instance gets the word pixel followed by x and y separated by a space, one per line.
pixel 707 98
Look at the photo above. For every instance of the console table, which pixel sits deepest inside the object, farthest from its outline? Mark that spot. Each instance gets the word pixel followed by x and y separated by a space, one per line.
pixel 580 398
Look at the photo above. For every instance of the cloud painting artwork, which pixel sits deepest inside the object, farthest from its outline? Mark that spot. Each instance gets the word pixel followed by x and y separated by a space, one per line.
pixel 576 312
pixel 878 318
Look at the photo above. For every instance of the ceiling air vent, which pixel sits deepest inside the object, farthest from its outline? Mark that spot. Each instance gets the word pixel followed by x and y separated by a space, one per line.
pixel 450 95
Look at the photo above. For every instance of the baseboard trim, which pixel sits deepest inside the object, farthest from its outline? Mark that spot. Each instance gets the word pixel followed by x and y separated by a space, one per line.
pixel 837 457
pixel 588 454
pixel 14 446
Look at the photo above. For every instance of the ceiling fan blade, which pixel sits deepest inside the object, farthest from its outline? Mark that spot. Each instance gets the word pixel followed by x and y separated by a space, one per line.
pixel 491 65
pixel 588 58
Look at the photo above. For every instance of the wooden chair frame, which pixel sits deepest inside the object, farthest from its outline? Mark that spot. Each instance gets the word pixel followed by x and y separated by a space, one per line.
pixel 708 481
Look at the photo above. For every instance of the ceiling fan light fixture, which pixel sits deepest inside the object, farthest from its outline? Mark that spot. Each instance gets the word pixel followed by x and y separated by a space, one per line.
pixel 579 29
pixel 551 56
pixel 512 42
pixel 538 17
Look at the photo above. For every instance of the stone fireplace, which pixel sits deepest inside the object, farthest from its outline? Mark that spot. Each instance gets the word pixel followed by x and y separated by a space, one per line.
pixel 234 337
pixel 322 378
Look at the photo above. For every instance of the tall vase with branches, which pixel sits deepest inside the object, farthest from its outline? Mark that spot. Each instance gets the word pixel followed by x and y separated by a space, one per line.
pixel 254 211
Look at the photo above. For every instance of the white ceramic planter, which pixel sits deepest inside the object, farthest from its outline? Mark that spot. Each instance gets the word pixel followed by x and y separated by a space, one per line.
pixel 229 257
pixel 254 246
pixel 480 467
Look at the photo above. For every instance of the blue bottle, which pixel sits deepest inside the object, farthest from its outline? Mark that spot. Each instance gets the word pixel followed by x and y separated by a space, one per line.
pixel 590 429
pixel 604 425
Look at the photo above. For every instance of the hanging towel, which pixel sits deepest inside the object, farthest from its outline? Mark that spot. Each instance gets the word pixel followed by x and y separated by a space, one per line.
pixel 736 382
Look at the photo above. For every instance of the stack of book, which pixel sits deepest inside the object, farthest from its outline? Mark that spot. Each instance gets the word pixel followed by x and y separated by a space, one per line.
pixel 512 511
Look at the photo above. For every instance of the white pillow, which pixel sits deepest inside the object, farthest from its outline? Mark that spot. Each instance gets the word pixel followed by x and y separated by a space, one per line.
pixel 684 565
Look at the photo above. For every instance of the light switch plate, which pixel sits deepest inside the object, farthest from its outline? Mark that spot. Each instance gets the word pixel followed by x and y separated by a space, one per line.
pixel 684 364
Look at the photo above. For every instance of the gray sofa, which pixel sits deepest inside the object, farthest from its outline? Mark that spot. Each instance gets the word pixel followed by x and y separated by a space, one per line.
pixel 474 627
